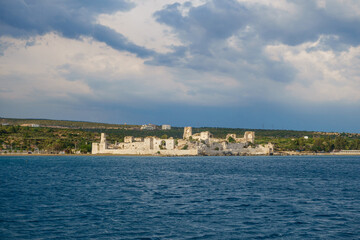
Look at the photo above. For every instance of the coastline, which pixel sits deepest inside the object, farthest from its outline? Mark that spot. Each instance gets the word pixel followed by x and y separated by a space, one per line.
pixel 150 155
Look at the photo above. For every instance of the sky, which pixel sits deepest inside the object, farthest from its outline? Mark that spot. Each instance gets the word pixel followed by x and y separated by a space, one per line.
pixel 272 64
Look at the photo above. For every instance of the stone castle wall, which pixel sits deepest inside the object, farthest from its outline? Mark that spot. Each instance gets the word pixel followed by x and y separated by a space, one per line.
pixel 192 144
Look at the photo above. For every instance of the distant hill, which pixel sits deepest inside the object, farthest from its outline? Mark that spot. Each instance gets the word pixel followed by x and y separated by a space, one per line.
pixel 66 124
pixel 176 132
pixel 72 136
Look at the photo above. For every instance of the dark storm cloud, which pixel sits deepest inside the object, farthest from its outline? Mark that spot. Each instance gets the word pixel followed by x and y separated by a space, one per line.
pixel 206 23
pixel 307 25
pixel 206 29
pixel 71 19
pixel 220 19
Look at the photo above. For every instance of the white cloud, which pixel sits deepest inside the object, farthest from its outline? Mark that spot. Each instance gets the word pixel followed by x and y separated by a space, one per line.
pixel 283 5
pixel 29 72
pixel 53 67
pixel 345 8
pixel 56 68
pixel 140 27
pixel 323 75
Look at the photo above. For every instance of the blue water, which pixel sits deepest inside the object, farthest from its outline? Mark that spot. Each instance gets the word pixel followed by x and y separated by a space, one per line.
pixel 90 197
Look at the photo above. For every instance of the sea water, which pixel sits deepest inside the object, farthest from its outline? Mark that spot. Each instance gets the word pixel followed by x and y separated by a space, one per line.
pixel 97 197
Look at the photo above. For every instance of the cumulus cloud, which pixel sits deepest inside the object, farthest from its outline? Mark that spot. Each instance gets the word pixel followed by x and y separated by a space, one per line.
pixel 203 53
pixel 71 19
pixel 234 38
pixel 216 21
pixel 323 75
pixel 139 25
pixel 86 70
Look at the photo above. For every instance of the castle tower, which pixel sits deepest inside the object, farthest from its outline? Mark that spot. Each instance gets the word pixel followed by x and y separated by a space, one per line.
pixel 249 137
pixel 205 136
pixel 187 132
pixel 103 143
pixel 103 138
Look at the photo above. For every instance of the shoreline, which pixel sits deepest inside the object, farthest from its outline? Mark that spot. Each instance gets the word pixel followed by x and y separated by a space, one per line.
pixel 149 155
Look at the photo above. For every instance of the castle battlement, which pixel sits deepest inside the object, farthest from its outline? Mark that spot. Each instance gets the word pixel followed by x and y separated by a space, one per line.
pixel 202 143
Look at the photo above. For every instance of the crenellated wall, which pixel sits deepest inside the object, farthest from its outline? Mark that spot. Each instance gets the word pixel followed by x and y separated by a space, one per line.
pixel 198 144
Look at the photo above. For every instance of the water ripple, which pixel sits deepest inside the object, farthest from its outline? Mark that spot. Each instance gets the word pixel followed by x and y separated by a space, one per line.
pixel 179 198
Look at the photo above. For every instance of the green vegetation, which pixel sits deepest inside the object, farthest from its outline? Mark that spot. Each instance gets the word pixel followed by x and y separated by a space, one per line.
pixel 77 136
pixel 315 144
pixel 162 145
pixel 66 124
pixel 46 140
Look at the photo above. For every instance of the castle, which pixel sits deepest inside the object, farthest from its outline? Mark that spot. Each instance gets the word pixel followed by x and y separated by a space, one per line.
pixel 191 145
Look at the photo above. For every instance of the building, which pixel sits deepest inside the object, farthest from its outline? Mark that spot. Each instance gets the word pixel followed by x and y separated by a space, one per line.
pixel 148 127
pixel 30 125
pixel 202 143
pixel 142 146
pixel 346 152
pixel 166 127
pixel 248 137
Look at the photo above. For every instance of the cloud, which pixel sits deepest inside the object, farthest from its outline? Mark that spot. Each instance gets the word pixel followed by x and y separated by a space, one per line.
pixel 139 25
pixel 323 76
pixel 84 70
pixel 220 37
pixel 71 19
pixel 205 23
pixel 234 38
pixel 300 22
pixel 204 54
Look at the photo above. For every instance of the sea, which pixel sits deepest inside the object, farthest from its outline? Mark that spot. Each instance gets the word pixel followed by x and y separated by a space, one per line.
pixel 243 197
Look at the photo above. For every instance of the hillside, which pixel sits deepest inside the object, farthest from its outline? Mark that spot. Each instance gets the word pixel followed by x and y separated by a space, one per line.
pixel 65 124
pixel 73 136
pixel 121 129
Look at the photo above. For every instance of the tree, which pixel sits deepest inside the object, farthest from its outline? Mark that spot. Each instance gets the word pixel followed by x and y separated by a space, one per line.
pixel 318 144
pixel 340 143
pixel 12 129
pixel 357 144
pixel 85 148
pixel 57 146
pixel 298 144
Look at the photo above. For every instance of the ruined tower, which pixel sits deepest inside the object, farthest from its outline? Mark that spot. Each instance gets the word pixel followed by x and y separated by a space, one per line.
pixel 187 132
pixel 249 137
pixel 103 138
pixel 103 143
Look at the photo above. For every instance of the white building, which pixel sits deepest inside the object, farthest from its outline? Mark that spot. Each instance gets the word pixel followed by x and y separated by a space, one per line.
pixel 166 127
pixel 30 125
pixel 148 127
